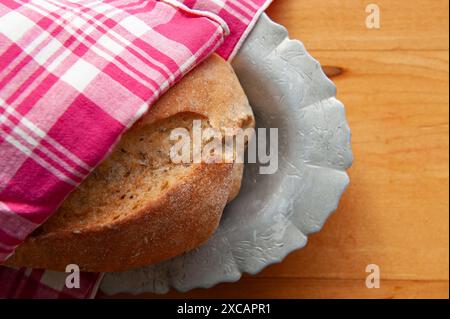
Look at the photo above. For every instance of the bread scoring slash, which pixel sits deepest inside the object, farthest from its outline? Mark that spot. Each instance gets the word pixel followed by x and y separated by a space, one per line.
pixel 137 207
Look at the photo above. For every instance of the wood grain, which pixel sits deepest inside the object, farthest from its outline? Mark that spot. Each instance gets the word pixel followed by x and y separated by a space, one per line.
pixel 340 25
pixel 395 212
pixel 394 84
pixel 256 288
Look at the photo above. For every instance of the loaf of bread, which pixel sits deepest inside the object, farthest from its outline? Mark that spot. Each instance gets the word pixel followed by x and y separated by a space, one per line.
pixel 138 207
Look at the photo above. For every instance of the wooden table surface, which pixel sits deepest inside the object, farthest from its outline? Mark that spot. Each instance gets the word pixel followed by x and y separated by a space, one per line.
pixel 394 84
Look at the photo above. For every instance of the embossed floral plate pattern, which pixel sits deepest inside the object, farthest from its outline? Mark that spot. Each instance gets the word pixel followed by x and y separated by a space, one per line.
pixel 273 214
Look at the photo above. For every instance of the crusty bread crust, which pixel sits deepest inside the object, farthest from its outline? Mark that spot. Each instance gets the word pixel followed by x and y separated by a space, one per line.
pixel 180 218
pixel 179 221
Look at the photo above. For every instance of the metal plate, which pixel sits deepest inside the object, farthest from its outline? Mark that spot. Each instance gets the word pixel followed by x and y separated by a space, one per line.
pixel 274 213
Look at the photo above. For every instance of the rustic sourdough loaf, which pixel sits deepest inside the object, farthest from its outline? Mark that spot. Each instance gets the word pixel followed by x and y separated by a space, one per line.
pixel 138 207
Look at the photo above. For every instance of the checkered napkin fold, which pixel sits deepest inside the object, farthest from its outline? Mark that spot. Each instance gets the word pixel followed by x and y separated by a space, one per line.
pixel 74 75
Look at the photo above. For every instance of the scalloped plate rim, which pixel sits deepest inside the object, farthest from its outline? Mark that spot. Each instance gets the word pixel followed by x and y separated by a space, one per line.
pixel 280 258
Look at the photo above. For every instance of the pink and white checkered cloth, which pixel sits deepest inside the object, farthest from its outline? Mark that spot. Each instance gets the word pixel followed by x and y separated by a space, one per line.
pixel 45 284
pixel 74 75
